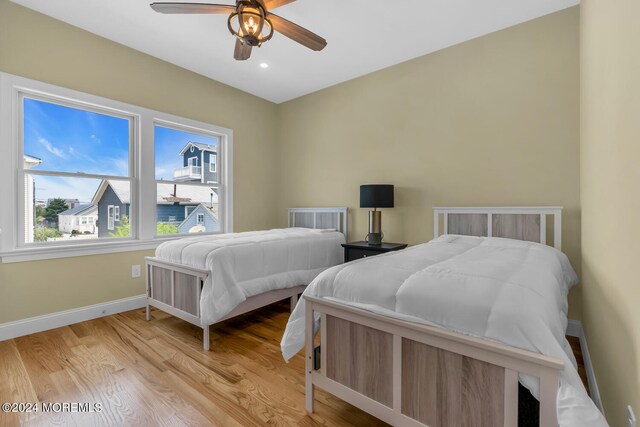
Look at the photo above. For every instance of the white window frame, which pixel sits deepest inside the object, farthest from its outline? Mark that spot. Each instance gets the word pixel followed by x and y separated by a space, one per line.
pixel 188 210
pixel 116 213
pixel 198 216
pixel 195 160
pixel 142 214
pixel 172 220
pixel 212 165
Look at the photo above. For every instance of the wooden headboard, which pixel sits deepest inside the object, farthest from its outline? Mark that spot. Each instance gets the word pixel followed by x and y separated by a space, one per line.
pixel 520 223
pixel 335 218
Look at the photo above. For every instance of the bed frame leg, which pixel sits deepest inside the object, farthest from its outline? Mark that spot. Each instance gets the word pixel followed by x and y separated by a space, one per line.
pixel 309 387
pixel 294 301
pixel 309 395
pixel 148 311
pixel 205 337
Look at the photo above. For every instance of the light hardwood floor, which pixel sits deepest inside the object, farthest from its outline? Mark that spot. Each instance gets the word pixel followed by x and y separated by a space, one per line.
pixel 155 373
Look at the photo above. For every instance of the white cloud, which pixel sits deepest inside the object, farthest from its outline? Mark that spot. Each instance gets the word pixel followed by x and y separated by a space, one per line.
pixel 95 139
pixel 51 148
pixel 80 156
pixel 49 187
pixel 121 166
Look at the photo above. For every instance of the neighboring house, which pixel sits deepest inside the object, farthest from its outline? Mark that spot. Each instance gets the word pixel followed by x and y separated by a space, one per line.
pixel 174 203
pixel 30 162
pixel 199 163
pixel 113 199
pixel 202 218
pixel 83 218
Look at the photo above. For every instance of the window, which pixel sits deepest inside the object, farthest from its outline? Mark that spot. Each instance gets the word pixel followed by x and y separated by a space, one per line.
pixel 172 218
pixel 212 163
pixel 180 182
pixel 111 224
pixel 61 149
pixel 68 149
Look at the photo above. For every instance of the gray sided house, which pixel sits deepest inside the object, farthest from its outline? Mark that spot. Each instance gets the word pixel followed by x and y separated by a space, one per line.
pixel 202 218
pixel 199 163
pixel 113 199
pixel 174 203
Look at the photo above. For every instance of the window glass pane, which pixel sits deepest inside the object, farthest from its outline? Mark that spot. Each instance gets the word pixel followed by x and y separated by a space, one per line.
pixel 70 208
pixel 66 139
pixel 182 209
pixel 184 156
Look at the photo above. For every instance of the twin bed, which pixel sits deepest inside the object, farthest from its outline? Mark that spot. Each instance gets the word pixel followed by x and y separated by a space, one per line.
pixel 438 334
pixel 208 279
pixel 442 333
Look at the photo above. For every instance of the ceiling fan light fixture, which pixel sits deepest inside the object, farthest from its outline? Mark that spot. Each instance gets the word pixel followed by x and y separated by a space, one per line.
pixel 250 24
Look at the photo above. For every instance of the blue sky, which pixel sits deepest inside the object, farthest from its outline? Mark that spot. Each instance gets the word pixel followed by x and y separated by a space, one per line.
pixel 73 140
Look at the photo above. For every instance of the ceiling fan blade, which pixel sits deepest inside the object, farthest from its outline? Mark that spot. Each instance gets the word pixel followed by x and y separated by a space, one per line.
pixel 242 52
pixel 192 8
pixel 272 4
pixel 296 33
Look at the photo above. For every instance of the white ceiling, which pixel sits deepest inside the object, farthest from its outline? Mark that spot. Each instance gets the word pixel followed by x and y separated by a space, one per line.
pixel 362 35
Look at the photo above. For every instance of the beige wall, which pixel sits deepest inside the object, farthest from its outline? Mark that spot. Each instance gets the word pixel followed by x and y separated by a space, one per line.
pixel 493 121
pixel 610 177
pixel 38 47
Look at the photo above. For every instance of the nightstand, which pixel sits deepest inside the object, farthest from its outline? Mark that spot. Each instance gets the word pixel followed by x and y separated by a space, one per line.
pixel 357 250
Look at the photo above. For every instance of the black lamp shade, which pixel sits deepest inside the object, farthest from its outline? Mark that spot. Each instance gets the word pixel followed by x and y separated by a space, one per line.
pixel 376 196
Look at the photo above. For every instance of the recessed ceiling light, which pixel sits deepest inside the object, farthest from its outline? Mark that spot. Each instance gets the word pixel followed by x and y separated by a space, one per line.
pixel 264 65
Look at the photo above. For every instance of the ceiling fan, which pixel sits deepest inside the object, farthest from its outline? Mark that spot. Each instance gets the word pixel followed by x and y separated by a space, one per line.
pixel 251 22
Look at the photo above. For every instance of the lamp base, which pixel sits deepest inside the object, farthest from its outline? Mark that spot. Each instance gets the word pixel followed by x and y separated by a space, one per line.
pixel 375 228
pixel 374 239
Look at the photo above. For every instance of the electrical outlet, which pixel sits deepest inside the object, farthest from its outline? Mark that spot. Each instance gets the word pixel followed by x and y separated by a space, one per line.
pixel 631 417
pixel 135 271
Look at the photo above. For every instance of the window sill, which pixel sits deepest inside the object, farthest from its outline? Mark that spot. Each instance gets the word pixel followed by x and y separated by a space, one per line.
pixel 76 250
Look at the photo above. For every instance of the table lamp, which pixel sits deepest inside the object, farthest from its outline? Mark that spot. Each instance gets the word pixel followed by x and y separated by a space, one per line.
pixel 376 196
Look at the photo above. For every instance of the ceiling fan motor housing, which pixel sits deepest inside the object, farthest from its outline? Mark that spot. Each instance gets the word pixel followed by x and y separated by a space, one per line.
pixel 251 20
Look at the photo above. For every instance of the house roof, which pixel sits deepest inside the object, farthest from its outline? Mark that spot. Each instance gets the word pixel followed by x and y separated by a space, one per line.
pixel 184 194
pixel 31 161
pixel 203 147
pixel 201 208
pixel 80 209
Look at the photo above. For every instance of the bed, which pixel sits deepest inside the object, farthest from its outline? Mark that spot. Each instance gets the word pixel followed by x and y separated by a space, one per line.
pixel 446 333
pixel 208 279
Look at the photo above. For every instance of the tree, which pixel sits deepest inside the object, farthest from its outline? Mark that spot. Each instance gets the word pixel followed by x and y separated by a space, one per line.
pixel 54 208
pixel 163 228
pixel 41 211
pixel 123 229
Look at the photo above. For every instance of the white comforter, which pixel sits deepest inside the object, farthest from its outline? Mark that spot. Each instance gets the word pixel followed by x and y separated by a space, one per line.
pixel 505 290
pixel 246 264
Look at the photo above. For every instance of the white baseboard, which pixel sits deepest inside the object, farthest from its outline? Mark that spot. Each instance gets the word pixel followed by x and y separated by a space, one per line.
pixel 574 329
pixel 68 317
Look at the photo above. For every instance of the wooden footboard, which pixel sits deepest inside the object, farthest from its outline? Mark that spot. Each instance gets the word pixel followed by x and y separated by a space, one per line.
pixel 410 374
pixel 176 289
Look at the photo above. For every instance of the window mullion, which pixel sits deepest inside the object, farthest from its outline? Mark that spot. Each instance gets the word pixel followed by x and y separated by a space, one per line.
pixel 146 185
